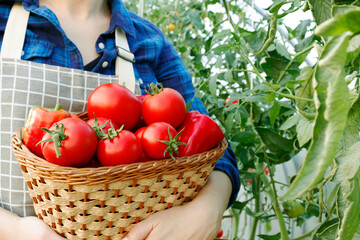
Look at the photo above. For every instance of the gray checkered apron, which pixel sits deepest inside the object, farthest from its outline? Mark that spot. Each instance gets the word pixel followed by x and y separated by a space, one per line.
pixel 25 84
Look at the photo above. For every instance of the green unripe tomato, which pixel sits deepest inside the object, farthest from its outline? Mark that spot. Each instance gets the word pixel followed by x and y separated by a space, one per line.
pixel 293 208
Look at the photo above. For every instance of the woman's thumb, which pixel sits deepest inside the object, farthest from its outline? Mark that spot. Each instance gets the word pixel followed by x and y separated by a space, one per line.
pixel 139 232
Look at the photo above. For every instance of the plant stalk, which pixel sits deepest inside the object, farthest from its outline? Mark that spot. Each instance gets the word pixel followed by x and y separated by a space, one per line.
pixel 236 222
pixel 274 200
pixel 257 207
pixel 290 96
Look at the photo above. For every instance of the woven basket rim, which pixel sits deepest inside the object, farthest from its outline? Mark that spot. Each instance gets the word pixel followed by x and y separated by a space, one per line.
pixel 84 175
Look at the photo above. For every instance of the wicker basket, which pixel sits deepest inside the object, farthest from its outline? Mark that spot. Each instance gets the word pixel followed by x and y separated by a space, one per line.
pixel 104 203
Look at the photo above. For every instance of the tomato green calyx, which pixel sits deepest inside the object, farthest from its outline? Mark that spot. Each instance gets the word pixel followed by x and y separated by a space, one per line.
pixel 172 144
pixel 99 129
pixel 57 107
pixel 154 89
pixel 112 132
pixel 57 137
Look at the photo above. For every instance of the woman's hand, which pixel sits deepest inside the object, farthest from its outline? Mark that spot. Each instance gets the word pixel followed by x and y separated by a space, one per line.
pixel 199 219
pixel 13 227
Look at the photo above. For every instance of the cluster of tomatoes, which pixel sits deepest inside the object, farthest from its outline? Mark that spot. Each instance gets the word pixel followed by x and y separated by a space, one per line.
pixel 123 128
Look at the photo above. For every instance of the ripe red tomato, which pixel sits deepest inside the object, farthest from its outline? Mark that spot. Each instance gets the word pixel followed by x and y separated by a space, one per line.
pixel 141 122
pixel 220 233
pixel 266 170
pixel 114 101
pixel 78 144
pixel 141 97
pixel 101 121
pixel 124 148
pixel 140 132
pixel 165 106
pixel 152 137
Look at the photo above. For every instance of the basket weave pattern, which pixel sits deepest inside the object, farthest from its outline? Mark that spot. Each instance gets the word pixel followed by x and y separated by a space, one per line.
pixel 104 203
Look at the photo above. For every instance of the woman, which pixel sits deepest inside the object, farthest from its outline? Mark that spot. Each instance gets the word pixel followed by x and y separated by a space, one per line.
pixel 80 34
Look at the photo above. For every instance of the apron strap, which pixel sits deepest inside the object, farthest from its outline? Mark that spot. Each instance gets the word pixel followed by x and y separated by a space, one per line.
pixel 124 61
pixel 13 41
pixel 14 37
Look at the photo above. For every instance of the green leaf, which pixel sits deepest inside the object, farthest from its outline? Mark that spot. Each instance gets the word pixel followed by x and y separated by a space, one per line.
pixel 261 86
pixel 223 48
pixel 329 233
pixel 274 141
pixel 220 36
pixel 274 66
pixel 274 112
pixel 256 39
pixel 340 24
pixel 343 9
pixel 326 229
pixel 301 29
pixel 305 90
pixel 304 43
pixel 321 10
pixel 351 131
pixel 229 122
pixel 245 138
pixel 348 204
pixel 195 18
pixel 255 99
pixel 229 76
pixel 353 48
pixel 240 205
pixel 282 51
pixel 332 104
pixel 213 85
pixel 291 121
pixel 304 130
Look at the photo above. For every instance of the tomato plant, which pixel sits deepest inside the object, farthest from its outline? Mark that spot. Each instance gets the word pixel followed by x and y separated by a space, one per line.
pixel 115 102
pixel 69 142
pixel 297 88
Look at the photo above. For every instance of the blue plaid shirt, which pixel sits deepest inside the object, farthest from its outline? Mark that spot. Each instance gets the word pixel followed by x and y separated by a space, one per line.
pixel 156 59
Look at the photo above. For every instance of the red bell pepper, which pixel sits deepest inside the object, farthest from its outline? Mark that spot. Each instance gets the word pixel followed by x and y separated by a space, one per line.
pixel 200 133
pixel 40 118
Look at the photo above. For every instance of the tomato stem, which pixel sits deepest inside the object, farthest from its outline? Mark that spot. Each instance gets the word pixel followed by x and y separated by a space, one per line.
pixel 154 89
pixel 57 107
pixel 112 132
pixel 99 129
pixel 57 137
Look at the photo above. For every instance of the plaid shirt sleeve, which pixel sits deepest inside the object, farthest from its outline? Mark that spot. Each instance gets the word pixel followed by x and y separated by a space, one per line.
pixel 172 73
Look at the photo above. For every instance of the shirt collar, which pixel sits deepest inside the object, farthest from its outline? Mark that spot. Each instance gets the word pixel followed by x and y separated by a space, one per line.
pixel 119 15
